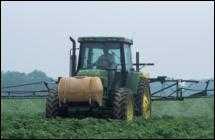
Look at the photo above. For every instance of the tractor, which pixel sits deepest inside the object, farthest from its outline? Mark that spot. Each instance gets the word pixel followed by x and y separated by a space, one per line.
pixel 113 83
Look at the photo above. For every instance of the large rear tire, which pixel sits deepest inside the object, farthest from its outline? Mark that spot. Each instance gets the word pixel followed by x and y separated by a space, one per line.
pixel 52 105
pixel 143 99
pixel 123 104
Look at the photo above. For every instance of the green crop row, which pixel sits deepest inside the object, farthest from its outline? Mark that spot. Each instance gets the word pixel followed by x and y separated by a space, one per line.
pixel 186 119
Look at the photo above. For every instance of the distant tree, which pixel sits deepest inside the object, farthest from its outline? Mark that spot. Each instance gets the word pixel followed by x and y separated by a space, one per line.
pixel 11 78
pixel 37 75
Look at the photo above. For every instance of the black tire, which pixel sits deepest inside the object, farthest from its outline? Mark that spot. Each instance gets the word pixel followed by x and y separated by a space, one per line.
pixel 63 110
pixel 143 91
pixel 123 104
pixel 52 105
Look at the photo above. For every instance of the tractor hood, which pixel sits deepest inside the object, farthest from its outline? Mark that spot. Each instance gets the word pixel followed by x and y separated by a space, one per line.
pixel 102 74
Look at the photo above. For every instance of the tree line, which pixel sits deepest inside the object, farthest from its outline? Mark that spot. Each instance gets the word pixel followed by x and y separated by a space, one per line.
pixel 11 78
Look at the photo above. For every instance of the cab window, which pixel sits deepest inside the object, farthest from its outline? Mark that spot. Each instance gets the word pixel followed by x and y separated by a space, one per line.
pixel 94 51
pixel 128 58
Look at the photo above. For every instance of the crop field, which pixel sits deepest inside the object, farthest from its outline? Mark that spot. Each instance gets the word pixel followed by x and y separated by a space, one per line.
pixel 191 118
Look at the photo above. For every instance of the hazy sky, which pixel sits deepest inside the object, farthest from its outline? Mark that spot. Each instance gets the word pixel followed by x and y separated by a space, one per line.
pixel 177 36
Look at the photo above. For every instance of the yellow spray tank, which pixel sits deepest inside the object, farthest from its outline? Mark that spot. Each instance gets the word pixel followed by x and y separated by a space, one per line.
pixel 80 89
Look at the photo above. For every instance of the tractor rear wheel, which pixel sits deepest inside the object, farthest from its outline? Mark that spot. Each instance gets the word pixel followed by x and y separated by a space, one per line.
pixel 143 99
pixel 52 106
pixel 123 104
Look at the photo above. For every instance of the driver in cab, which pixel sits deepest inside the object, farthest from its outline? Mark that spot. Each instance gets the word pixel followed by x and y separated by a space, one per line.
pixel 105 61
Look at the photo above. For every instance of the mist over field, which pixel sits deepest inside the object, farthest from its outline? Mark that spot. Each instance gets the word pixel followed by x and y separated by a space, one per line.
pixel 10 78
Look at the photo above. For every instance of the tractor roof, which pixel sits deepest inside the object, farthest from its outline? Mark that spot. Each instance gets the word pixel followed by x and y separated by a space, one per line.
pixel 105 39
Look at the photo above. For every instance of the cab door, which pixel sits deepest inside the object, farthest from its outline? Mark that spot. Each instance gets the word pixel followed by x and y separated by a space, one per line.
pixel 131 75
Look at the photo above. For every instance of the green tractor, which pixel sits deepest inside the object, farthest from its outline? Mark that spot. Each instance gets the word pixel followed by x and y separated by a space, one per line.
pixel 124 90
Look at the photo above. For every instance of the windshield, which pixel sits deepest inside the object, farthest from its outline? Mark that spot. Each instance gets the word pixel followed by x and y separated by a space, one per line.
pixel 101 56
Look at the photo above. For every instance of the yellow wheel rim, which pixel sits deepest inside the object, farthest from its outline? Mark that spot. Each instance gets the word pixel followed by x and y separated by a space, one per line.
pixel 130 111
pixel 146 105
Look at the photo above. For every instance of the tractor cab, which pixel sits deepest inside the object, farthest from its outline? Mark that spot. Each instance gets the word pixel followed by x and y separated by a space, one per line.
pixel 107 53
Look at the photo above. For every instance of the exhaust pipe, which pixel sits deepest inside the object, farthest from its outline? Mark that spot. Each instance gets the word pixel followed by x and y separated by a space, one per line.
pixel 72 54
pixel 137 62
